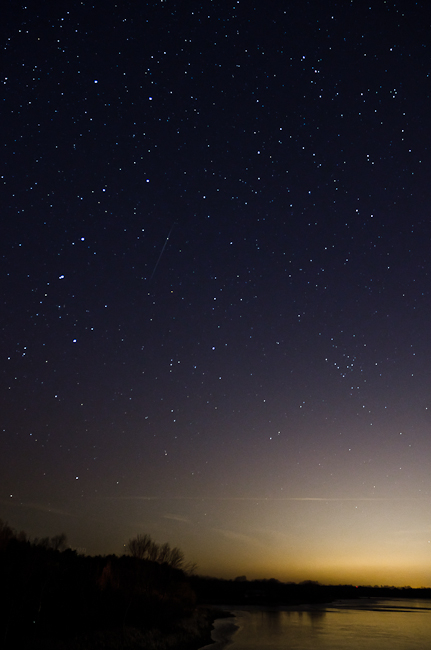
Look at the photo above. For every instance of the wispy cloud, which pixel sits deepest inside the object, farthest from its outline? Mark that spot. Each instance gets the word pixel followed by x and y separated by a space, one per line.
pixel 425 530
pixel 41 507
pixel 238 537
pixel 273 535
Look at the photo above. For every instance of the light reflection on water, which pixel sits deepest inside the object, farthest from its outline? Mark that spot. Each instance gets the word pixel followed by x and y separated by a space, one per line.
pixel 362 625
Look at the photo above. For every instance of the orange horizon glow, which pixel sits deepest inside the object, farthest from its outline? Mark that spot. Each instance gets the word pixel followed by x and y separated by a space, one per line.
pixel 365 541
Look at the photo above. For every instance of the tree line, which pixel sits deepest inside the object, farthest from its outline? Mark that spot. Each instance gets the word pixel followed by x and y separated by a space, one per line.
pixel 144 548
pixel 50 594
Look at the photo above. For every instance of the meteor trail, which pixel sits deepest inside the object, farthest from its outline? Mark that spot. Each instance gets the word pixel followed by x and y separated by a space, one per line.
pixel 161 252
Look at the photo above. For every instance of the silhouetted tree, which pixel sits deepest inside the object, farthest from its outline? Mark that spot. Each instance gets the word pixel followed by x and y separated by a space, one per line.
pixel 6 534
pixel 176 558
pixel 164 553
pixel 138 546
pixel 59 542
pixel 153 551
pixel 143 547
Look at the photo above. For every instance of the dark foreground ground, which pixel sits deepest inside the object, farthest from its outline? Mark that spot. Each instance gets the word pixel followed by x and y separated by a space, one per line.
pixel 52 600
pixel 191 633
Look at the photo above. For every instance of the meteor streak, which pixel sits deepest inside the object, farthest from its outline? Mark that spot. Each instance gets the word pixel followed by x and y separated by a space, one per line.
pixel 161 252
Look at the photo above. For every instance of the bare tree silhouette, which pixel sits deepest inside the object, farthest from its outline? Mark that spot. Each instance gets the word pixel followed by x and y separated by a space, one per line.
pixel 139 546
pixel 143 547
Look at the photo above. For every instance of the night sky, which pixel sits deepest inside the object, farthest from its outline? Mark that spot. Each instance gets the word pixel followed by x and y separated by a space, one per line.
pixel 215 282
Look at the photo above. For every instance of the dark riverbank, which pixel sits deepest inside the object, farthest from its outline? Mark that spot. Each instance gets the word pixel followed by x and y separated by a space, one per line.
pixel 191 633
pixel 52 599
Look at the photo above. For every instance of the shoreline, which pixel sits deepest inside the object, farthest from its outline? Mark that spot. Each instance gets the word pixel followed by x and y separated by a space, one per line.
pixel 222 632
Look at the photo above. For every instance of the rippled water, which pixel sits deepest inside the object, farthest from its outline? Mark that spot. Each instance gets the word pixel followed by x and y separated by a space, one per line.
pixel 358 625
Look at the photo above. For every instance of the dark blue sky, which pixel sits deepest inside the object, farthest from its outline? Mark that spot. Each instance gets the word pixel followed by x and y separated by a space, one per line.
pixel 215 281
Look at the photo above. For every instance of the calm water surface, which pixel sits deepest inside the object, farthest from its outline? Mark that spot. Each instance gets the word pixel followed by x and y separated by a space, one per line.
pixel 358 625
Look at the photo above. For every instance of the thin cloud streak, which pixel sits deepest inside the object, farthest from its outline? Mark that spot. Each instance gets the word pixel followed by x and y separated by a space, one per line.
pixel 266 499
pixel 185 520
pixel 238 537
pixel 37 506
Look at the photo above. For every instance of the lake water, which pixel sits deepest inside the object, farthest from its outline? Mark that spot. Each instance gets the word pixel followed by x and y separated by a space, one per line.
pixel 354 625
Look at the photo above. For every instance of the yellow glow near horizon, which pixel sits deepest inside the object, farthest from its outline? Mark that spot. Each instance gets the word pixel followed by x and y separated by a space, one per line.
pixel 375 542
